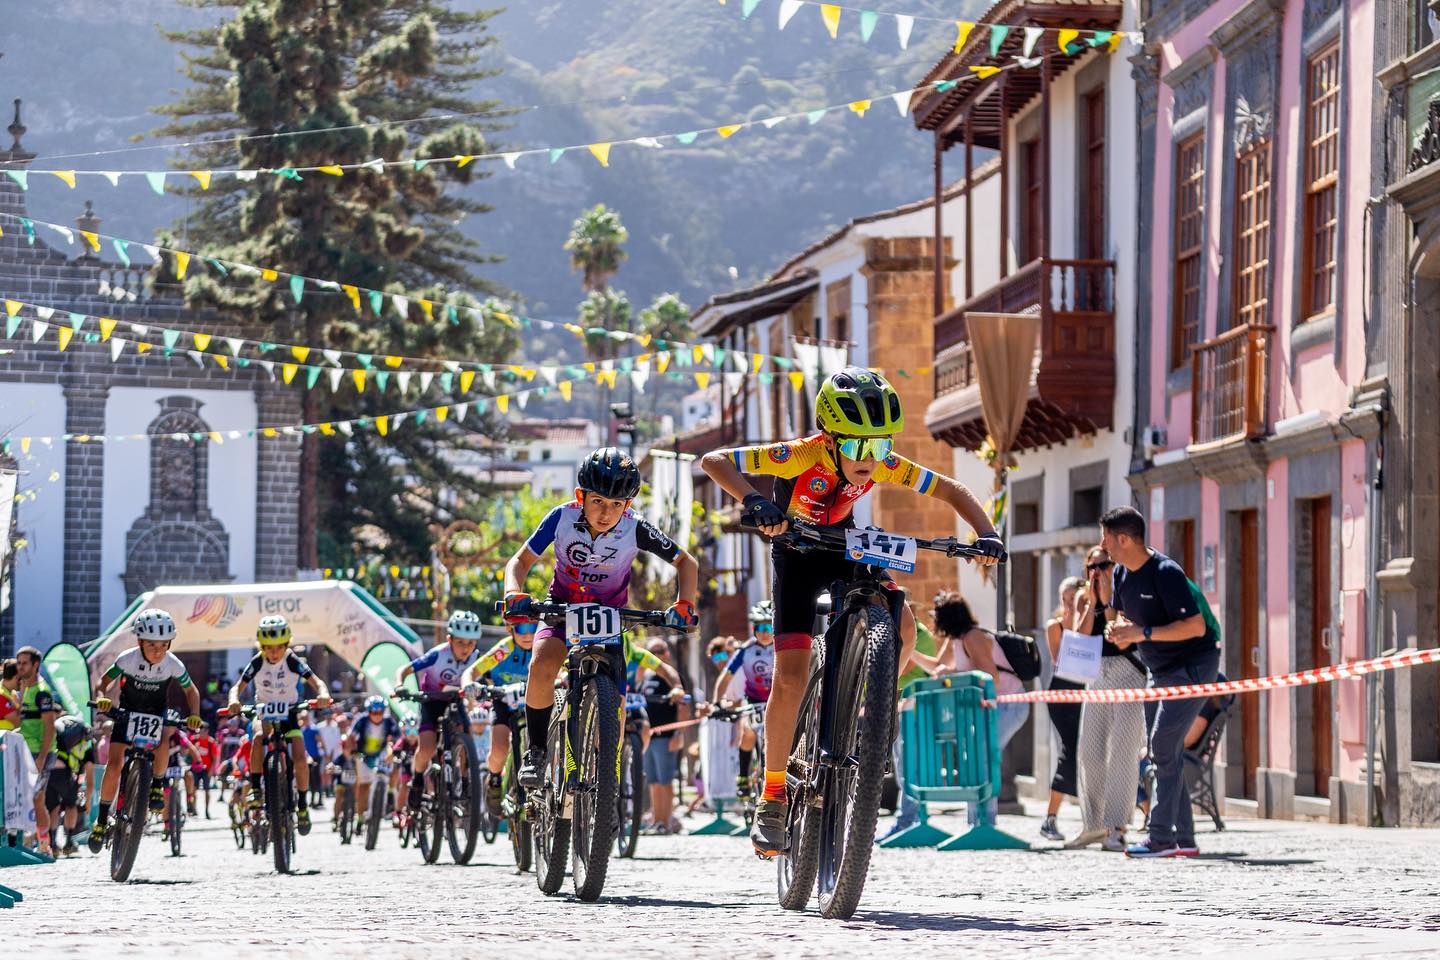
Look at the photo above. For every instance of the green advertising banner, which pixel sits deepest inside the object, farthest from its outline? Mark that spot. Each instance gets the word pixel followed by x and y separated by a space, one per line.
pixel 69 678
pixel 382 662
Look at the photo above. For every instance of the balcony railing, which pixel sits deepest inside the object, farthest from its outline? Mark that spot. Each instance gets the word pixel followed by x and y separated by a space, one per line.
pixel 954 368
pixel 1230 377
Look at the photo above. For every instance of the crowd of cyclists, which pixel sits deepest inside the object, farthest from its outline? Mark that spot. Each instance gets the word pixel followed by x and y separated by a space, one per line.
pixel 511 687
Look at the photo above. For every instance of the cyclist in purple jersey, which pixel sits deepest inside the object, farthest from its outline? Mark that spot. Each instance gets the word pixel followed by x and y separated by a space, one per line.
pixel 755 662
pixel 596 540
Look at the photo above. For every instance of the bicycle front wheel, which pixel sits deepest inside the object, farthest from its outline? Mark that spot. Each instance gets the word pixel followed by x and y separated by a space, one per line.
pixel 429 823
pixel 175 817
pixel 517 818
pixel 864 712
pixel 130 815
pixel 795 869
pixel 463 797
pixel 597 753
pixel 379 803
pixel 278 808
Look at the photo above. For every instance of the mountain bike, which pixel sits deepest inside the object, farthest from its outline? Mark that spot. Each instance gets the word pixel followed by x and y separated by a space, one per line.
pixel 275 824
pixel 579 791
pixel 631 795
pixel 345 788
pixel 131 811
pixel 451 784
pixel 513 809
pixel 238 826
pixel 379 806
pixel 174 804
pixel 836 769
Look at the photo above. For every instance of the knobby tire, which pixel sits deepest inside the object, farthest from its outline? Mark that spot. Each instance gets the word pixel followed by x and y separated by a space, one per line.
pixel 463 797
pixel 379 803
pixel 632 795
pixel 595 805
pixel 175 816
pixel 429 828
pixel 277 806
pixel 552 830
pixel 130 819
pixel 796 868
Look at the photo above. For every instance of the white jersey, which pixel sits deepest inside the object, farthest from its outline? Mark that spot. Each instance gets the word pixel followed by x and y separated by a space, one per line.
pixel 143 684
pixel 276 682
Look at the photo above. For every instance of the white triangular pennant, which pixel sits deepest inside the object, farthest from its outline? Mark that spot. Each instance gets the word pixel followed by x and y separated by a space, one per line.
pixel 425 377
pixel 638 378
pixel 336 376
pixel 549 374
pixel 452 365
pixel 333 356
pixel 902 101
pixel 116 346
pixel 1032 37
pixel 402 304
pixel 788 9
pixel 403 378
pixel 45 313
pixel 523 399
pixel 269 366
pixel 345 428
pixel 460 409
pixel 37 330
pixel 903 25
pixel 734 382
pixel 112 176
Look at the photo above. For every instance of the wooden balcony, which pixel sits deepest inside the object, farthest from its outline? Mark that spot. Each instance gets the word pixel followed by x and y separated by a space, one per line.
pixel 1073 391
pixel 1230 386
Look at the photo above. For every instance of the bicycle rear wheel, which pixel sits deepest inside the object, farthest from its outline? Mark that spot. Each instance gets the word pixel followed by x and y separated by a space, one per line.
pixel 464 796
pixel 237 823
pixel 347 811
pixel 864 713
pixel 278 808
pixel 175 815
pixel 429 823
pixel 517 817
pixel 130 816
pixel 596 804
pixel 552 829
pixel 631 805
pixel 795 869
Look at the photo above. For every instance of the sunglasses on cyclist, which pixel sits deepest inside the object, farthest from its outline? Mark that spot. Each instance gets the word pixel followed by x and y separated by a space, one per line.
pixel 865 448
pixel 525 628
pixel 720 658
pixel 764 628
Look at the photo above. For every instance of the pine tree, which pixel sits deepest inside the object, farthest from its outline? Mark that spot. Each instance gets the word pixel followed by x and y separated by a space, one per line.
pixel 259 81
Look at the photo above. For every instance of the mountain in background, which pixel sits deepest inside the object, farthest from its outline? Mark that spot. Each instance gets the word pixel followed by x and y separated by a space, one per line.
pixel 703 219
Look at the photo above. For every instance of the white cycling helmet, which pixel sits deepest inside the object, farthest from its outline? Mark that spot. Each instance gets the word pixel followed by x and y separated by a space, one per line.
pixel 464 624
pixel 154 624
pixel 762 612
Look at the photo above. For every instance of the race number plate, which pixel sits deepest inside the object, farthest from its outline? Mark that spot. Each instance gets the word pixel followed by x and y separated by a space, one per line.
pixel 881 549
pixel 592 622
pixel 635 701
pixel 144 730
pixel 514 695
pixel 274 711
pixel 174 773
pixel 347 775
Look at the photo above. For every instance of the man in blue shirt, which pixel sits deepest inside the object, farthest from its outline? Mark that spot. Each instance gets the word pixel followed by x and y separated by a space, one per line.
pixel 1166 618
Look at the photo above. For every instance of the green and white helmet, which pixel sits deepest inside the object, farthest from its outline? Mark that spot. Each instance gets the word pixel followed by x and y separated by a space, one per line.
pixel 858 403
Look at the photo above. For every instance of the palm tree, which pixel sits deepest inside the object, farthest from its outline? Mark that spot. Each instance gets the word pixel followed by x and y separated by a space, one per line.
pixel 597 246
pixel 667 318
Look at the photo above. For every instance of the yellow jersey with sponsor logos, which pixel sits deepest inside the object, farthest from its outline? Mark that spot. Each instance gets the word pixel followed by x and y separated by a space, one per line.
pixel 808 484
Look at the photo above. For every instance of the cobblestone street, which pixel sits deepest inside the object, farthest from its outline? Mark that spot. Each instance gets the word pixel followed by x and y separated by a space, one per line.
pixel 1262 889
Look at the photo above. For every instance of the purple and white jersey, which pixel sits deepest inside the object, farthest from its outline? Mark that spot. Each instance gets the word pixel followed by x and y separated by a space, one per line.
pixel 596 569
pixel 439 668
pixel 756 663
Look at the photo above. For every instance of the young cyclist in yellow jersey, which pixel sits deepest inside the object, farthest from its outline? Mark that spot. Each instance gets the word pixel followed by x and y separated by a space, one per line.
pixel 819 479
pixel 596 539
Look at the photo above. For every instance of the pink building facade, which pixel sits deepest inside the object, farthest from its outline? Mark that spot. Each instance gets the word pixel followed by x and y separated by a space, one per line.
pixel 1258 409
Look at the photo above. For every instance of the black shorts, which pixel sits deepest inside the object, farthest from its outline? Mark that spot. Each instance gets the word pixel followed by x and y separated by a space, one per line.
pixel 503 712
pixel 798 579
pixel 62 790
pixel 201 777
pixel 121 718
pixel 431 713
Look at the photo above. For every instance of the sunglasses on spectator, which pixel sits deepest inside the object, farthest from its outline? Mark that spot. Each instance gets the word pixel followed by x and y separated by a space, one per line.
pixel 1100 565
pixel 866 448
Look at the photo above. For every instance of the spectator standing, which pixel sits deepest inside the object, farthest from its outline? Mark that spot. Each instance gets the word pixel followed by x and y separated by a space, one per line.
pixel 1112 735
pixel 662 756
pixel 38 712
pixel 9 697
pixel 1163 615
pixel 310 737
pixel 1064 717
pixel 968 646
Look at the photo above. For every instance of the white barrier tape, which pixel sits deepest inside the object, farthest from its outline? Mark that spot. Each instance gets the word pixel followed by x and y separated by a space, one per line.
pixel 1339 671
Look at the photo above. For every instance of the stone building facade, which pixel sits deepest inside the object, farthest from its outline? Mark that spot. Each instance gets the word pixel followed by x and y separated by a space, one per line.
pixel 109 520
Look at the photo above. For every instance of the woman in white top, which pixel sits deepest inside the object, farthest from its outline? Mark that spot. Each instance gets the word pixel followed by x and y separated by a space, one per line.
pixel 968 646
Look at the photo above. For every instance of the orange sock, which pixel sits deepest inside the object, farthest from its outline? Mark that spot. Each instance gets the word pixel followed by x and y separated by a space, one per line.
pixel 774 785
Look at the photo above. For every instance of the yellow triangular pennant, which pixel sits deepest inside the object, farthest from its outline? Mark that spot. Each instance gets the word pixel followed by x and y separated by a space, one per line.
pixel 797 379
pixel 467 377
pixel 107 325
pixel 63 334
pixel 702 380
pixel 859 107
pixel 332 169
pixel 202 341
pixel 830 13
pixel 270 275
pixel 182 263
pixel 12 307
pixel 328 429
pixel 287 370
pixel 222 360
pixel 24 444
pixel 428 309
pixel 359 377
pixel 392 362
pixel 91 239
pixel 270 432
pixel 354 295
pixel 203 176
pixel 216 437
pixel 300 353
pixel 729 131
pixel 502 403
pixel 66 176
pixel 1067 37
pixel 566 387
pixel 383 424
pixel 963 28
pixel 143 347
pixel 983 72
pixel 441 414
pixel 601 152
pixel 662 361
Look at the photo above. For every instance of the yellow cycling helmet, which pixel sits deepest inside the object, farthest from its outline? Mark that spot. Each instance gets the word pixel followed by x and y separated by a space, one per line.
pixel 273 632
pixel 858 403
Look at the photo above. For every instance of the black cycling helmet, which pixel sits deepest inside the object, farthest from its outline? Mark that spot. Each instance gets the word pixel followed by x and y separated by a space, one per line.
pixel 611 473
pixel 70 731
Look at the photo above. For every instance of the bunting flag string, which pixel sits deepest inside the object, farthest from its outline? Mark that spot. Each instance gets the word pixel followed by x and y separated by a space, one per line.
pixel 601 151
pixel 491 311
pixel 833 14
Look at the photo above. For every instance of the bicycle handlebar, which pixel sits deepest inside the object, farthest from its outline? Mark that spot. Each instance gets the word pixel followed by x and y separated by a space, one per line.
pixel 804 536
pixel 248 709
pixel 548 610
pixel 446 695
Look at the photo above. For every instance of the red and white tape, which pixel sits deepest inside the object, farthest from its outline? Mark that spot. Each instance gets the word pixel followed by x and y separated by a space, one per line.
pixel 1339 671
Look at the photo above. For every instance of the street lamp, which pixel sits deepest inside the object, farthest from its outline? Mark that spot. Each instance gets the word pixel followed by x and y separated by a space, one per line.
pixel 623 418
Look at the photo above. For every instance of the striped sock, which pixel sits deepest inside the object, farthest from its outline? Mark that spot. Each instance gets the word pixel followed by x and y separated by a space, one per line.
pixel 774 785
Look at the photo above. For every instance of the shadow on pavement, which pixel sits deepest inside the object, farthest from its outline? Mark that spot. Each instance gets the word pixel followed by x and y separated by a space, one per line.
pixel 904 920
pixel 160 883
pixel 672 903
pixel 1245 861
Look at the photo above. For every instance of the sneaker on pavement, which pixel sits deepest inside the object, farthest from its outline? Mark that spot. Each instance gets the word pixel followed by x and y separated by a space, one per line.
pixel 1114 842
pixel 302 821
pixel 69 850
pixel 1084 838
pixel 98 834
pixel 767 833
pixel 1187 850
pixel 530 770
pixel 1150 850
pixel 1049 831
